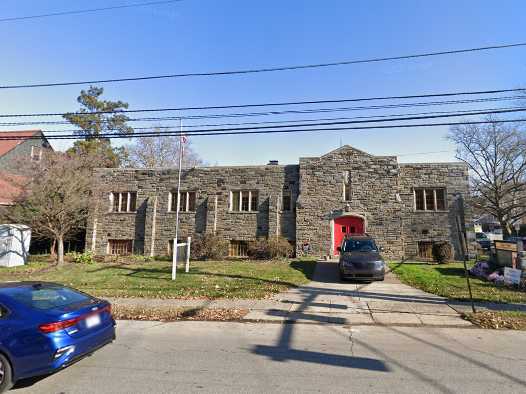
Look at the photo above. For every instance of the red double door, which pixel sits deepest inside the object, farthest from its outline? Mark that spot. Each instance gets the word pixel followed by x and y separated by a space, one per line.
pixel 347 225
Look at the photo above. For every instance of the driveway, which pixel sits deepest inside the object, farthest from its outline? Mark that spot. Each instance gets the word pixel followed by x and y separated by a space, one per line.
pixel 327 299
pixel 215 357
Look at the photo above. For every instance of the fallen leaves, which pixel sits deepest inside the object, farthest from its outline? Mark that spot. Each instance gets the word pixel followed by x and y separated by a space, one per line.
pixel 498 320
pixel 122 312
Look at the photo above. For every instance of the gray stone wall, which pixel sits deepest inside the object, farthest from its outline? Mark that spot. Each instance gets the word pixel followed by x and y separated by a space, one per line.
pixel 381 193
pixel 374 183
pixel 208 183
pixel 433 226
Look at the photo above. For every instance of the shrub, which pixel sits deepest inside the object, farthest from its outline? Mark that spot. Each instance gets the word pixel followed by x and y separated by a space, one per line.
pixel 270 248
pixel 208 247
pixel 441 252
pixel 83 258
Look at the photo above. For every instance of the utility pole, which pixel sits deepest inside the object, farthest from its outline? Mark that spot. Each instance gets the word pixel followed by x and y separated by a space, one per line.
pixel 181 150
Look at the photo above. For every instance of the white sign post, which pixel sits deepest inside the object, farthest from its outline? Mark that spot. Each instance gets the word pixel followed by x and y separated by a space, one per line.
pixel 175 254
pixel 187 266
pixel 174 259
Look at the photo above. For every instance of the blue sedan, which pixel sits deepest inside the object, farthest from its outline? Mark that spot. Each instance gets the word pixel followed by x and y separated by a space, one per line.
pixel 46 326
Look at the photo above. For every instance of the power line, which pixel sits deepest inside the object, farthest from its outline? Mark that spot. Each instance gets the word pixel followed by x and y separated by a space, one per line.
pixel 266 70
pixel 286 103
pixel 459 112
pixel 383 120
pixel 244 129
pixel 178 133
pixel 85 11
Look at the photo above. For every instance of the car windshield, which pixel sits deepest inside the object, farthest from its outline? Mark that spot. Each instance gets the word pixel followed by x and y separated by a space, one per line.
pixel 361 245
pixel 46 297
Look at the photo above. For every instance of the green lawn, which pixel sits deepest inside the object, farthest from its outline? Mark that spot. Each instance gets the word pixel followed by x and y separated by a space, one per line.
pixel 216 279
pixel 448 280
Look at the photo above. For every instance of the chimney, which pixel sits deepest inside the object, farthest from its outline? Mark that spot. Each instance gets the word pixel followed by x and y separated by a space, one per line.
pixel 273 163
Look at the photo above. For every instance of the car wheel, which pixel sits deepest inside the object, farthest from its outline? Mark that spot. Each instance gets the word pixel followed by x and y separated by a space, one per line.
pixel 6 375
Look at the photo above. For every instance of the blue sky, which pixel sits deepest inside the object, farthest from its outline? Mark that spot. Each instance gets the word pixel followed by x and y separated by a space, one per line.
pixel 209 35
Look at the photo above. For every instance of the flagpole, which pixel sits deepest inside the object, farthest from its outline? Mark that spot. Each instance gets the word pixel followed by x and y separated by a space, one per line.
pixel 174 264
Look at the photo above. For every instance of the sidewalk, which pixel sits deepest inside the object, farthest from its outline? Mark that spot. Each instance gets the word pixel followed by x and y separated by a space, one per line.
pixel 327 300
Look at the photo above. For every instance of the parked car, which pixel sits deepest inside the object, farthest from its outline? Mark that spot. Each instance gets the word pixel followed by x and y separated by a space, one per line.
pixel 483 240
pixel 360 259
pixel 516 239
pixel 46 326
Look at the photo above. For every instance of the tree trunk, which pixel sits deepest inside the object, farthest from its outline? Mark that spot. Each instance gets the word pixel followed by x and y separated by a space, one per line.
pixel 60 242
pixel 53 252
pixel 505 227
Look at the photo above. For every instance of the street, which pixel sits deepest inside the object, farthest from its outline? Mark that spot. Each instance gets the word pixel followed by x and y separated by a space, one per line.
pixel 155 357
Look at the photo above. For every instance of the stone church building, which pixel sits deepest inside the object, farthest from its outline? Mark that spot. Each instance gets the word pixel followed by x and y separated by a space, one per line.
pixel 405 207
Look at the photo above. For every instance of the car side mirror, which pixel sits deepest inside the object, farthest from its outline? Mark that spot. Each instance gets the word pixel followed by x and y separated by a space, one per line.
pixel 339 249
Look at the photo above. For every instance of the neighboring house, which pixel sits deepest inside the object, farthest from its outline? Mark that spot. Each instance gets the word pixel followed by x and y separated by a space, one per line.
pixel 24 146
pixel 406 207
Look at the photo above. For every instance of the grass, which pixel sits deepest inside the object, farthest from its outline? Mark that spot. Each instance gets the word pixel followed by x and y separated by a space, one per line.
pixel 210 280
pixel 448 280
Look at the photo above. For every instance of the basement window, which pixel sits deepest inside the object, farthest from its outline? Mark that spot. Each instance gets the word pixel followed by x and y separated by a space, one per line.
pixel 123 202
pixel 430 199
pixel 187 201
pixel 238 248
pixel 120 247
pixel 244 201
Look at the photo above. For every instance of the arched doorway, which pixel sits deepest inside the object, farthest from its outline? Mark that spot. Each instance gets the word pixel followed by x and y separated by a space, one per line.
pixel 343 225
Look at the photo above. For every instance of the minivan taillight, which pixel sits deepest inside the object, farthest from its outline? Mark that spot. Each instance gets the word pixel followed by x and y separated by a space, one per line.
pixel 57 326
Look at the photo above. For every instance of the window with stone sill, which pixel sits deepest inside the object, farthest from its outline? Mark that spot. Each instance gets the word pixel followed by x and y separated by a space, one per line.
pixel 123 202
pixel 244 201
pixel 430 199
pixel 187 201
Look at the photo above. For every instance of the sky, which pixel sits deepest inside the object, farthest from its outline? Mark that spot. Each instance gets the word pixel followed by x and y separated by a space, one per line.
pixel 215 35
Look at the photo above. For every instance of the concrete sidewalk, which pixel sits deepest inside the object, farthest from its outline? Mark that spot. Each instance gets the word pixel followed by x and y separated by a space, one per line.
pixel 327 300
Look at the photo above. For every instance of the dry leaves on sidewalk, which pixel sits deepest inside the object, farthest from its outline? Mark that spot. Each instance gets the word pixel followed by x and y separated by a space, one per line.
pixel 121 312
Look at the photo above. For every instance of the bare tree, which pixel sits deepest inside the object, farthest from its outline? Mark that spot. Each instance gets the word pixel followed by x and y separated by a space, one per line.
pixel 54 200
pixel 160 152
pixel 496 156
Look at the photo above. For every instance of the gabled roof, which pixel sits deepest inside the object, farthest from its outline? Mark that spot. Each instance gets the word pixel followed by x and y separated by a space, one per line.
pixel 347 148
pixel 21 136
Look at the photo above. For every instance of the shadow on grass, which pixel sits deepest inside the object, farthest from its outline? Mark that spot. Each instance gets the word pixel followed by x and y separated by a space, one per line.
pixel 165 272
pixel 306 267
pixel 451 271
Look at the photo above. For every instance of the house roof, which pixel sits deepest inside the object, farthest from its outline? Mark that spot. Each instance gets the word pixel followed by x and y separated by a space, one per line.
pixel 8 145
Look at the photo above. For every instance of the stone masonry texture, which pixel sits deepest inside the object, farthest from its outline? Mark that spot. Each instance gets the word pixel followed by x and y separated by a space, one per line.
pixel 381 194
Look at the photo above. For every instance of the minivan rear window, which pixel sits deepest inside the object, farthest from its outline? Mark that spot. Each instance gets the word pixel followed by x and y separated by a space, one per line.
pixel 46 297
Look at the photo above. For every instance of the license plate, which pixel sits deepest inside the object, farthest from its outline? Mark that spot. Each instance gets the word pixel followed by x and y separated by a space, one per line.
pixel 92 321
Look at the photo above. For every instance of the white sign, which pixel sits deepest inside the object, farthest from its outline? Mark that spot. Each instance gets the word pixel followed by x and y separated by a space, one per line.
pixel 512 276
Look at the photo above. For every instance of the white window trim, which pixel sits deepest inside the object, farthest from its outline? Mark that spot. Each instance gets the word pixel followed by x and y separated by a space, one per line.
pixel 186 207
pixel 128 202
pixel 33 154
pixel 241 194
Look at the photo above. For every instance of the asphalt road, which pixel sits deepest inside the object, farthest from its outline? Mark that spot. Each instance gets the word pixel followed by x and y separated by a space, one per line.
pixel 182 357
